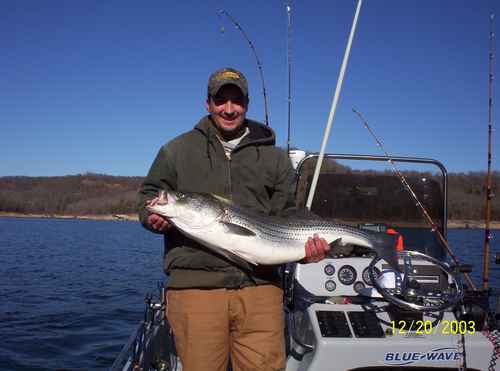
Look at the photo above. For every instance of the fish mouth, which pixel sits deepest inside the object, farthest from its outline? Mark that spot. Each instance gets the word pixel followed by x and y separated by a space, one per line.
pixel 167 198
pixel 171 197
pixel 164 198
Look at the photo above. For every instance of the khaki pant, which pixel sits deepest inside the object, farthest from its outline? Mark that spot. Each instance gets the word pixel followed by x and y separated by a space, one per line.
pixel 246 323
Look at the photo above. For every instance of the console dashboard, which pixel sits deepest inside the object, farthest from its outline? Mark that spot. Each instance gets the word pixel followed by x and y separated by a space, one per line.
pixel 348 276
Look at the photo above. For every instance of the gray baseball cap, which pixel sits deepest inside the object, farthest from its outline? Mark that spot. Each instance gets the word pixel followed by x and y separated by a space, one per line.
pixel 226 76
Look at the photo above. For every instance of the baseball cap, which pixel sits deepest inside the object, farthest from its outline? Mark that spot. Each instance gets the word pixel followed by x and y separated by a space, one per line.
pixel 226 76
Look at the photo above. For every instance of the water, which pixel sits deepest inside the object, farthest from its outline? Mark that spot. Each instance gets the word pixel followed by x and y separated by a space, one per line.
pixel 72 291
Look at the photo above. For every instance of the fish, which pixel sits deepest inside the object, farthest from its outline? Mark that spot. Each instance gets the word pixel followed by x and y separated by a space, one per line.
pixel 243 236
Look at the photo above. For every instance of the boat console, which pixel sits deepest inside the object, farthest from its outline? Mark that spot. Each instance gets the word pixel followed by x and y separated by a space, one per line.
pixel 358 313
pixel 338 320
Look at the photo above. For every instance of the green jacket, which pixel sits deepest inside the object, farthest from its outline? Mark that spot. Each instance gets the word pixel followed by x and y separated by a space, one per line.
pixel 259 177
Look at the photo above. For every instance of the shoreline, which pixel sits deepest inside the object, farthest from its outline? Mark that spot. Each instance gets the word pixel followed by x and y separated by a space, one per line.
pixel 123 217
pixel 472 224
pixel 452 224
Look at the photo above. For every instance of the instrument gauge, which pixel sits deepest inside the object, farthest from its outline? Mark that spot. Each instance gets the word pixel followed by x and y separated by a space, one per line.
pixel 330 285
pixel 347 275
pixel 366 275
pixel 329 270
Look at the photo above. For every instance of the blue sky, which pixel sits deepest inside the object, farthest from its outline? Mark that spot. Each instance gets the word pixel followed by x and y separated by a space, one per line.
pixel 99 86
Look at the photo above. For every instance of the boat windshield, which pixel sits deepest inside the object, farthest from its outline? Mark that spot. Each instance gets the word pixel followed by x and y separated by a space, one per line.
pixel 365 191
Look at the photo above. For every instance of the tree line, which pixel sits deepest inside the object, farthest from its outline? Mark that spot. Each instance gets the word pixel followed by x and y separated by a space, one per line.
pixel 82 194
pixel 95 194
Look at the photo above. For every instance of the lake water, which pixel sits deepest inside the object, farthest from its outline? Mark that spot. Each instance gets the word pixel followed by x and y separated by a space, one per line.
pixel 72 291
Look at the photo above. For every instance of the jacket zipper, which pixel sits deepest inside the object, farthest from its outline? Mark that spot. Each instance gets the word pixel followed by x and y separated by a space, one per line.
pixel 229 183
pixel 242 275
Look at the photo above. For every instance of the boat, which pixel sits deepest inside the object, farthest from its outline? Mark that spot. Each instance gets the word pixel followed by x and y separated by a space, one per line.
pixel 354 311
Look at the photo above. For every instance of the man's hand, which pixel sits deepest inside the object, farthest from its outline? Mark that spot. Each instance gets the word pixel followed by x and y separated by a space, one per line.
pixel 316 249
pixel 156 221
pixel 159 223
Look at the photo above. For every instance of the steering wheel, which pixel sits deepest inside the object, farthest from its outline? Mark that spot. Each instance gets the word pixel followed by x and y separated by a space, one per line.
pixel 407 293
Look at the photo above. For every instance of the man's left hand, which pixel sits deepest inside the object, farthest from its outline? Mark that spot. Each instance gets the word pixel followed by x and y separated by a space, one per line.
pixel 316 249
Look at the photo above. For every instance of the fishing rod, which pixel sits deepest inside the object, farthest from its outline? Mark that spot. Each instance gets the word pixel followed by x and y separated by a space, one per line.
pixel 487 232
pixel 289 63
pixel 408 188
pixel 259 65
pixel 329 124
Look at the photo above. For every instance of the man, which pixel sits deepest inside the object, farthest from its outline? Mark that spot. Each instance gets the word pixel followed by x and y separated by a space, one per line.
pixel 216 308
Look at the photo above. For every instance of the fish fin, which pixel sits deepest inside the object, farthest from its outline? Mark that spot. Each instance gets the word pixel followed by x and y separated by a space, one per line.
pixel 222 199
pixel 336 242
pixel 237 259
pixel 245 258
pixel 338 248
pixel 238 229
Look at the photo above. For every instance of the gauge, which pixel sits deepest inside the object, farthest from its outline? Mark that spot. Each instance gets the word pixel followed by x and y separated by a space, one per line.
pixel 366 275
pixel 358 286
pixel 330 285
pixel 347 275
pixel 329 270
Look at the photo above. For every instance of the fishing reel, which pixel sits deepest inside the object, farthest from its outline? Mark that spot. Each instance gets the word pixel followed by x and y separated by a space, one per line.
pixel 407 288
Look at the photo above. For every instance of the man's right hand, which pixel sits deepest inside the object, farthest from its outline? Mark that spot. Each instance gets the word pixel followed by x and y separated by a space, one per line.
pixel 159 223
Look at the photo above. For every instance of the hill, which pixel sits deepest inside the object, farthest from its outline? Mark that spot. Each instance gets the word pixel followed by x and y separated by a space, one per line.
pixel 100 194
pixel 83 194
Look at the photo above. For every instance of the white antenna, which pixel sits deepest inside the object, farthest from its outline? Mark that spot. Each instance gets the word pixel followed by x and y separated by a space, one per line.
pixel 333 109
pixel 289 62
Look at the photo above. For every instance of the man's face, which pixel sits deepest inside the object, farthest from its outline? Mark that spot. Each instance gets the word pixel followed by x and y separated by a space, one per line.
pixel 228 109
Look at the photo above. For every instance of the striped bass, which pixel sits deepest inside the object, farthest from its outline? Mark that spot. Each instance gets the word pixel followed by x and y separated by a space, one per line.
pixel 258 239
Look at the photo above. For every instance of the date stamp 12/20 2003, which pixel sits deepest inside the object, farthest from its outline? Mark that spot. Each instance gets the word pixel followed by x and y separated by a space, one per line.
pixel 442 327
